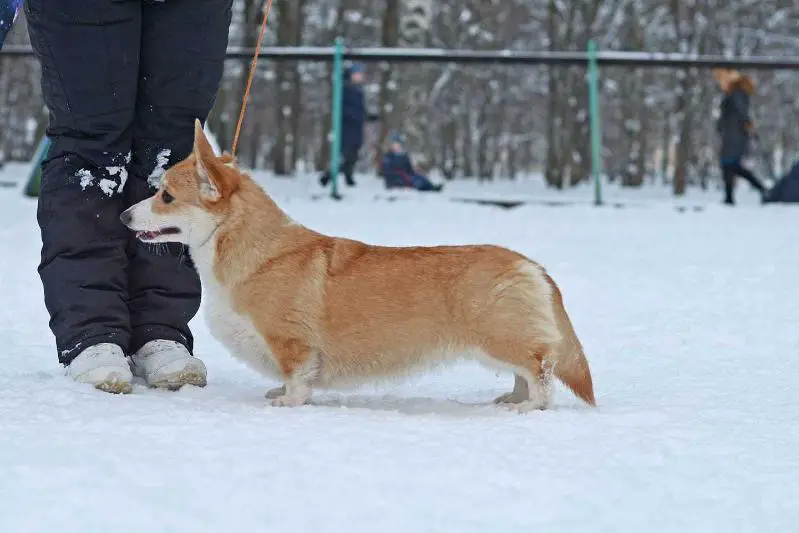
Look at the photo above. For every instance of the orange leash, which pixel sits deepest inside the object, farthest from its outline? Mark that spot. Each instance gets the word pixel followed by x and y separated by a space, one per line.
pixel 252 75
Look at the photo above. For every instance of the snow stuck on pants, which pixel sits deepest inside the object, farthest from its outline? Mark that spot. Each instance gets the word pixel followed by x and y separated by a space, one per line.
pixel 161 162
pixel 689 324
pixel 108 185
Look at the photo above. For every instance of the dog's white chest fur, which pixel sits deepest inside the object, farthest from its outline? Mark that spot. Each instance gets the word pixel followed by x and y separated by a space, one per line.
pixel 235 331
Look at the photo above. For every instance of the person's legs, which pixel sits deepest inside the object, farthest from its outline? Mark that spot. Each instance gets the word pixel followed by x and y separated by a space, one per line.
pixel 349 158
pixel 88 52
pixel 746 174
pixel 182 61
pixel 728 175
pixel 421 183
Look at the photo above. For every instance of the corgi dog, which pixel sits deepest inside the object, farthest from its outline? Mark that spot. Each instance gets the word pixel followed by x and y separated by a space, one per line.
pixel 320 312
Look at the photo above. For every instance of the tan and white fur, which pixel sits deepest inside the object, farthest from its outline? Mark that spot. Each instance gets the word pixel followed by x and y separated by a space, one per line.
pixel 316 311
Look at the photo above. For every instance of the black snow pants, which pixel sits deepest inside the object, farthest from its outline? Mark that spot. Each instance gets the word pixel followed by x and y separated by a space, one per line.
pixel 728 173
pixel 349 158
pixel 123 81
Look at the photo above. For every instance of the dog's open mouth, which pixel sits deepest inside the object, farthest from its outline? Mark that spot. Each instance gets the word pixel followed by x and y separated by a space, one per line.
pixel 152 235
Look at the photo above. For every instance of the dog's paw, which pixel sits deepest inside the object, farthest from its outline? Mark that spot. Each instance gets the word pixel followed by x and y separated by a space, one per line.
pixel 289 401
pixel 271 394
pixel 511 397
pixel 526 406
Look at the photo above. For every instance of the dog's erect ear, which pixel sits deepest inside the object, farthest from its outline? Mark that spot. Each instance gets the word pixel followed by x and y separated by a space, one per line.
pixel 216 176
pixel 204 158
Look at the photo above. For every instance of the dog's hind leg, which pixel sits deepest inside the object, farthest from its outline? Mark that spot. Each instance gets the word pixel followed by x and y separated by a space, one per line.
pixel 533 380
pixel 520 393
pixel 299 365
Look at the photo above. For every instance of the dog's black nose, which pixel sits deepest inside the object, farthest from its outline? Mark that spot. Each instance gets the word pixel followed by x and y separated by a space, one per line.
pixel 125 217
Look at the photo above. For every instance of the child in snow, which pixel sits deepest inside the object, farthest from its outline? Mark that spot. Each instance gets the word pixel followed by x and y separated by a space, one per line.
pixel 735 128
pixel 123 83
pixel 398 170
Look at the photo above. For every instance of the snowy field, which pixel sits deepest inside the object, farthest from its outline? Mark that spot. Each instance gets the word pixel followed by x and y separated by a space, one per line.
pixel 689 320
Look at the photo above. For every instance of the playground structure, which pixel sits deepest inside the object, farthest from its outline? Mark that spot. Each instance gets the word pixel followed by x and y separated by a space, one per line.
pixel 592 59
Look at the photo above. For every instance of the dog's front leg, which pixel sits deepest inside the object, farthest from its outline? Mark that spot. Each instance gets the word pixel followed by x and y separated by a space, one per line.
pixel 299 365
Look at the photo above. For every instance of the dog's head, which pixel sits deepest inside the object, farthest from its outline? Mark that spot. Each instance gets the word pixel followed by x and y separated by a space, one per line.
pixel 192 200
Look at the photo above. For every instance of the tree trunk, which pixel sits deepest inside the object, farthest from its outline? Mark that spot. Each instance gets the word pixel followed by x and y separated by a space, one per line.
pixel 297 90
pixel 287 30
pixel 389 37
pixel 323 161
pixel 684 114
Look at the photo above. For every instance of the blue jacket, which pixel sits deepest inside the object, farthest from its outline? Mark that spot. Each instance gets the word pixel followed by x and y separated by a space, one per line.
pixel 353 115
pixel 397 168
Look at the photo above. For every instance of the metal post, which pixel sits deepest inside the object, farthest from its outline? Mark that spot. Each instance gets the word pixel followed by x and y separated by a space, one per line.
pixel 596 129
pixel 416 56
pixel 335 148
pixel 34 183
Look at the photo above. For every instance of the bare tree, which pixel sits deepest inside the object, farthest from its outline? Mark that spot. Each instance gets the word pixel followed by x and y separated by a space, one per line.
pixel 489 122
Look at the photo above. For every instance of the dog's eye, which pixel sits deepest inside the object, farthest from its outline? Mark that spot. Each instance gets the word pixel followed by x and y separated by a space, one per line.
pixel 166 197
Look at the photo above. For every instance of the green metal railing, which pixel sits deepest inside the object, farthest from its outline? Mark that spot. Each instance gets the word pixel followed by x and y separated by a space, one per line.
pixel 596 128
pixel 595 123
pixel 592 58
pixel 335 141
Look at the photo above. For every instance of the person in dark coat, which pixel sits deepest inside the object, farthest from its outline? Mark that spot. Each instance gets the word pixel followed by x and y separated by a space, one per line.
pixel 353 120
pixel 123 82
pixel 398 170
pixel 735 127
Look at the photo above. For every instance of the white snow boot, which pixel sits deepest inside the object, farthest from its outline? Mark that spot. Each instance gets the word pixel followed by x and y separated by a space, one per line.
pixel 168 365
pixel 104 366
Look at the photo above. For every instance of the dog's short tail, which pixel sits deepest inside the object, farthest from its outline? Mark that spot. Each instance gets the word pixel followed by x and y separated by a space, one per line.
pixel 570 364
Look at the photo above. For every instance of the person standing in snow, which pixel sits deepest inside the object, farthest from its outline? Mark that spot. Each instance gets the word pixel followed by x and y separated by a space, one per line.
pixel 123 82
pixel 735 127
pixel 353 122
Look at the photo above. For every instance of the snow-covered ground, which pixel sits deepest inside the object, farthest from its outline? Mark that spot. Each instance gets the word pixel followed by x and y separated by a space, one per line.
pixel 689 321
